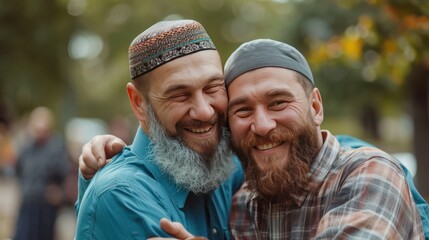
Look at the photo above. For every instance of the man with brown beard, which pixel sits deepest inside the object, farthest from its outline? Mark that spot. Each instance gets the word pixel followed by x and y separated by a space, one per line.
pixel 300 183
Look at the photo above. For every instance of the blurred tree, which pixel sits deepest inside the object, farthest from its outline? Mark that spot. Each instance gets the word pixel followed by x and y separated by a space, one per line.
pixel 33 59
pixel 382 47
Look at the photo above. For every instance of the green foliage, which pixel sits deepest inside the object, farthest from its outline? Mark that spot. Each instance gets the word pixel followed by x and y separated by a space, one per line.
pixel 356 48
pixel 33 59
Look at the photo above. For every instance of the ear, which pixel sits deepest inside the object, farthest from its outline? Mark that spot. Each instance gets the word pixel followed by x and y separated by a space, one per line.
pixel 138 104
pixel 316 106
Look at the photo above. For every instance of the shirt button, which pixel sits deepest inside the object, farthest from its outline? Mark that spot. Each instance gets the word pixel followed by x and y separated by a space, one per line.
pixel 214 231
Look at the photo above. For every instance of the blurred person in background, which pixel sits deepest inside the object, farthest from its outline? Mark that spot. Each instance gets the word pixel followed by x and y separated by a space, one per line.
pixel 41 168
pixel 7 150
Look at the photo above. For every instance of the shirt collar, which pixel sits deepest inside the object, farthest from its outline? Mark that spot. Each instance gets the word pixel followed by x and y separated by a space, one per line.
pixel 141 146
pixel 324 160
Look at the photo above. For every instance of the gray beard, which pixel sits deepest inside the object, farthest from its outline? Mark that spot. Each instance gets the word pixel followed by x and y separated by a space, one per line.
pixel 187 168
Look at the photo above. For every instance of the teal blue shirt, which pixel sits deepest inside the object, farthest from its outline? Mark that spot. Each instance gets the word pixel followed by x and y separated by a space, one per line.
pixel 127 198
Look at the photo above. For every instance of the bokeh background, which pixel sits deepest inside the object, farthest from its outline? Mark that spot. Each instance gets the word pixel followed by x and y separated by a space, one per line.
pixel 370 59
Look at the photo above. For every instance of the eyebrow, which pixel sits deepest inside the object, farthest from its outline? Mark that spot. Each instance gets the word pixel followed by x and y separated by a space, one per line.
pixel 279 92
pixel 180 86
pixel 270 94
pixel 236 102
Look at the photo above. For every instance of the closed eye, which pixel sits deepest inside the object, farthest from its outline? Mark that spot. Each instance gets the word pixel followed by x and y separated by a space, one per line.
pixel 243 112
pixel 179 97
pixel 213 88
pixel 278 105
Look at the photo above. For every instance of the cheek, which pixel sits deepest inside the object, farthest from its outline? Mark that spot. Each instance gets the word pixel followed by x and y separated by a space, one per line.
pixel 239 129
pixel 220 103
pixel 169 117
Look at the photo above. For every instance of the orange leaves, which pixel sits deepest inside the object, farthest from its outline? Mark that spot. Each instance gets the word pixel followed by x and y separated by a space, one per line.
pixel 413 22
pixel 406 18
pixel 385 41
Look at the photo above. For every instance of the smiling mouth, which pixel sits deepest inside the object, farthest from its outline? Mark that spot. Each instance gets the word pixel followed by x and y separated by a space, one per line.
pixel 268 146
pixel 199 130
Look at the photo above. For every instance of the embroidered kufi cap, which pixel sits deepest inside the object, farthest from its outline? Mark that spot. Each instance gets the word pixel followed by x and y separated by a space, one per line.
pixel 265 53
pixel 164 42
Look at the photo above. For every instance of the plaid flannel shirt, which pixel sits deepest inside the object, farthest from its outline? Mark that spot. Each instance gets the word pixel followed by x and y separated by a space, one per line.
pixel 354 193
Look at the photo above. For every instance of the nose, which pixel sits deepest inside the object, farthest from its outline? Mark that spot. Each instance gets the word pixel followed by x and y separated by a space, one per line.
pixel 262 123
pixel 201 109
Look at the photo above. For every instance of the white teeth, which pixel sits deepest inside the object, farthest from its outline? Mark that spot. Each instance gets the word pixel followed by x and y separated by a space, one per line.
pixel 267 146
pixel 200 130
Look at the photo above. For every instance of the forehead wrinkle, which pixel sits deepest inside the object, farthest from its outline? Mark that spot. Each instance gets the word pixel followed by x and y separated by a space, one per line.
pixel 182 85
pixel 175 87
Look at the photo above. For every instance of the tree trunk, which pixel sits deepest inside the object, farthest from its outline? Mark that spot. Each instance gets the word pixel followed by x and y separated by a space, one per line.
pixel 419 99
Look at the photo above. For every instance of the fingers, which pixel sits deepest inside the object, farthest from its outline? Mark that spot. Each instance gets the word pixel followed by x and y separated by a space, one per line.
pixel 98 145
pixel 175 229
pixel 160 238
pixel 88 164
pixel 114 146
pixel 97 153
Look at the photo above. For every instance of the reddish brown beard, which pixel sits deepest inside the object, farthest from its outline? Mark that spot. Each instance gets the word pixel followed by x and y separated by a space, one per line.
pixel 281 183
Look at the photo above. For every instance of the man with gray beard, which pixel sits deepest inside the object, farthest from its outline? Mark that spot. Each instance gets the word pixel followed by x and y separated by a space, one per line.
pixel 179 166
pixel 189 169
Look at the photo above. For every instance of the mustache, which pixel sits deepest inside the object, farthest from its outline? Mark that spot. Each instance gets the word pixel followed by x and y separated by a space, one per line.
pixel 278 135
pixel 217 117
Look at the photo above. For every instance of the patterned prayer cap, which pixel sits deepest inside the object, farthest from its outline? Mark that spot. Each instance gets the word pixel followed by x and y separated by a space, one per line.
pixel 164 42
